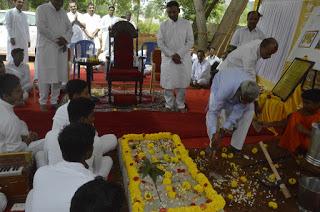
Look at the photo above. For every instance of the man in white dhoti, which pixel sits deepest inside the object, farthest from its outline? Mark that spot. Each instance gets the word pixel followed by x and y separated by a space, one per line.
pixel 175 39
pixel 54 33
pixel 92 22
pixel 77 22
pixel 247 56
pixel 201 71
pixel 55 185
pixel 20 69
pixel 18 30
pixel 231 98
pixel 14 133
pixel 81 110
pixel 247 34
pixel 106 23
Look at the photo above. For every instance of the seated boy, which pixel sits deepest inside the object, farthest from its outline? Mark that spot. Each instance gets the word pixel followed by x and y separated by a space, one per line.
pixel 97 196
pixel 298 124
pixel 14 133
pixel 21 70
pixel 55 185
pixel 80 110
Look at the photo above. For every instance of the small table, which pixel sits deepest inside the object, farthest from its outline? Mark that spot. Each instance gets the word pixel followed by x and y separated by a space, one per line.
pixel 89 70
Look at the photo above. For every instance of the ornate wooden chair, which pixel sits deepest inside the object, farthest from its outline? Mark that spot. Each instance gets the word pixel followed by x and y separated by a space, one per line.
pixel 121 67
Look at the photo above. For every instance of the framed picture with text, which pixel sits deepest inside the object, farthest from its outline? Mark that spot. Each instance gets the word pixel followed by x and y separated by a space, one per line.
pixel 308 39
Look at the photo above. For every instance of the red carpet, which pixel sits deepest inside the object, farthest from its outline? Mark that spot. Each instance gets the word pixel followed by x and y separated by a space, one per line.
pixel 189 126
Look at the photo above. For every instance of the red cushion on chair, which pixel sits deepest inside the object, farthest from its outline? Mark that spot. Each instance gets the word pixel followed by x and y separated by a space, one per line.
pixel 125 73
pixel 123 51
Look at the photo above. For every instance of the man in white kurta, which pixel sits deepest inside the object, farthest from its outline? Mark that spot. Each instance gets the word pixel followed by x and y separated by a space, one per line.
pixel 247 56
pixel 54 33
pixel 231 97
pixel 201 70
pixel 77 23
pixel 212 57
pixel 175 39
pixel 251 32
pixel 92 22
pixel 14 133
pixel 20 69
pixel 55 185
pixel 106 23
pixel 18 30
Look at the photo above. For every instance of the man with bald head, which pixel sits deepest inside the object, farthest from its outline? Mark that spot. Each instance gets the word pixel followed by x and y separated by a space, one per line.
pixel 247 56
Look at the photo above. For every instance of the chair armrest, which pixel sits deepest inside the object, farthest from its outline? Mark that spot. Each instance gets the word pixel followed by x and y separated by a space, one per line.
pixel 141 65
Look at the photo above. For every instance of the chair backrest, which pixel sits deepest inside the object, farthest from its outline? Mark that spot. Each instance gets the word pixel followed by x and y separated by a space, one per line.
pixel 149 46
pixel 123 33
pixel 84 48
pixel 156 60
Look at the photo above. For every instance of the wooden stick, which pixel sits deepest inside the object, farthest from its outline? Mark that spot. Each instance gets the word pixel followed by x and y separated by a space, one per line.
pixel 283 187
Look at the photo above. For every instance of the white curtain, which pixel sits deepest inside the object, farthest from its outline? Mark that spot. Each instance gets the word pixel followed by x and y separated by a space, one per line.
pixel 280 19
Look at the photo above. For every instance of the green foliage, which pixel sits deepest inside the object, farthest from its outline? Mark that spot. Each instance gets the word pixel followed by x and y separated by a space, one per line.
pixel 217 13
pixel 148 27
pixel 151 169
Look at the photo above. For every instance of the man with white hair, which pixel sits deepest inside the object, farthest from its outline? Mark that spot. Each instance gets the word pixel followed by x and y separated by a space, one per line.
pixel 232 95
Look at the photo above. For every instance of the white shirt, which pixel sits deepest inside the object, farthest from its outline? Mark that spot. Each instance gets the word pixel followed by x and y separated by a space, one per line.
pixel 61 117
pixel 213 59
pixel 92 23
pixel 22 72
pixel 244 57
pixel 201 71
pixel 107 21
pixel 51 62
pixel 55 185
pixel 78 34
pixel 18 28
pixel 11 129
pixel 175 37
pixel 224 86
pixel 244 35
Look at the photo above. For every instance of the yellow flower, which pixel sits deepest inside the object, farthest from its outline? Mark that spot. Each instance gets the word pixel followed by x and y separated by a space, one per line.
pixel 167 174
pixel 150 145
pixel 172 194
pixel 169 188
pixel 234 183
pixel 202 153
pixel 292 181
pixel 137 207
pixel 243 179
pixel 166 157
pixel 174 160
pixel 151 152
pixel 249 194
pixel 147 195
pixel 230 155
pixel 272 205
pixel 154 159
pixel 224 149
pixel 198 188
pixel 166 181
pixel 272 178
pixel 224 155
pixel 230 196
pixel 254 150
pixel 141 155
pixel 161 167
pixel 186 185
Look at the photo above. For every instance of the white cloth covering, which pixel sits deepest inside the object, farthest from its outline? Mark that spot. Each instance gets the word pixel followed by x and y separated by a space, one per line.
pixel 222 104
pixel 55 185
pixel 51 62
pixel 245 58
pixel 201 72
pixel 244 35
pixel 77 33
pixel 18 28
pixel 61 117
pixel 22 72
pixel 175 37
pixel 92 24
pixel 98 164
